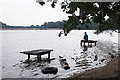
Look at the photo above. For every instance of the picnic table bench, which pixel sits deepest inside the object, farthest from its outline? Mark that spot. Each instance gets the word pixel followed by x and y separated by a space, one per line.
pixel 88 41
pixel 38 52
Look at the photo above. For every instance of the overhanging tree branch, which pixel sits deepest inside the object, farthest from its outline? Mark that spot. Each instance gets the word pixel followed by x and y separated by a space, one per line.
pixel 90 11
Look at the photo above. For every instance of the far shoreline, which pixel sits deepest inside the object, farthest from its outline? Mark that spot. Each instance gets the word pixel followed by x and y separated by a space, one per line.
pixel 30 29
pixel 37 29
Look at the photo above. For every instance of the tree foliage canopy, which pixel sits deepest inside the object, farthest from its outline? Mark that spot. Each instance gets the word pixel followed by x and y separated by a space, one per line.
pixel 91 11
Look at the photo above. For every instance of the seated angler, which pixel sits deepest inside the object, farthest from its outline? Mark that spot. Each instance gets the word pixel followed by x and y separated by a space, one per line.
pixel 85 36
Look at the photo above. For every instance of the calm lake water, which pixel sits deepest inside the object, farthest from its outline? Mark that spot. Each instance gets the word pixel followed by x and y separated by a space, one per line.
pixel 15 41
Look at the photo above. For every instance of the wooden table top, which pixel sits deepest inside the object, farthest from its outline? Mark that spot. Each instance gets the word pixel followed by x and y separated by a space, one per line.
pixel 36 52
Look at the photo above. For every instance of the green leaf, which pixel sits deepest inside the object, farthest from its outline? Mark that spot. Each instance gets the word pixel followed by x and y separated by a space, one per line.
pixel 42 3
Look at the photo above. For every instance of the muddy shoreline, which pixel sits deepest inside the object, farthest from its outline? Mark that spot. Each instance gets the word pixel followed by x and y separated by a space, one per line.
pixel 111 70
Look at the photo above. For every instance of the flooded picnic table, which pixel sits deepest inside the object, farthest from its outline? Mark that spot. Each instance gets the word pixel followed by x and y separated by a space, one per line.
pixel 37 52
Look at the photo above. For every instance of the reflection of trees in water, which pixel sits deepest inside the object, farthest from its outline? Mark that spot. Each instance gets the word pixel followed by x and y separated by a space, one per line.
pixel 81 59
pixel 90 56
pixel 109 48
pixel 85 48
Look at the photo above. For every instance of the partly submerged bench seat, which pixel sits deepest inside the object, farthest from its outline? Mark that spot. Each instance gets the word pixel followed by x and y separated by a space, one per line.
pixel 88 41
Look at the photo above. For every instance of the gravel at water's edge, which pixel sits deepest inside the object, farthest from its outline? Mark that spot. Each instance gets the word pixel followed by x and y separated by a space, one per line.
pixel 110 71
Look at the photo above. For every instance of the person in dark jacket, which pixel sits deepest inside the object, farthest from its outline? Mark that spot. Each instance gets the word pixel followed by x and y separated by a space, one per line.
pixel 85 36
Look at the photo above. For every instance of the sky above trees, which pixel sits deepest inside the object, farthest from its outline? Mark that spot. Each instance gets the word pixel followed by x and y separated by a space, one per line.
pixel 28 12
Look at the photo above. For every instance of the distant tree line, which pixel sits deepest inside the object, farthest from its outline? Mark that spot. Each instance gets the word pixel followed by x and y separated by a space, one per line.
pixel 2 25
pixel 58 25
